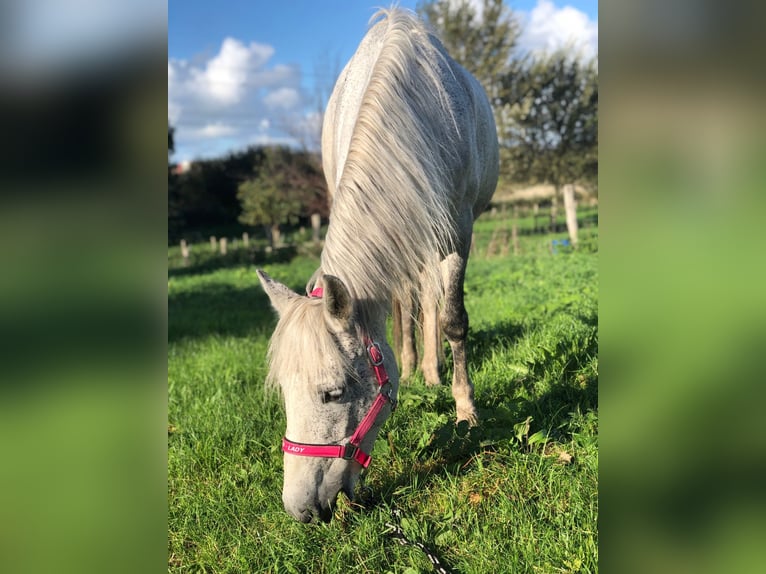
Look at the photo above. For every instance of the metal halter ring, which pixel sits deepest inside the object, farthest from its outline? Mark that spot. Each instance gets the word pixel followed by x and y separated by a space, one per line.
pixel 376 346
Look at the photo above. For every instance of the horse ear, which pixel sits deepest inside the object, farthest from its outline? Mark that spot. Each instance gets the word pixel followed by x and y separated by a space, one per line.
pixel 279 295
pixel 337 301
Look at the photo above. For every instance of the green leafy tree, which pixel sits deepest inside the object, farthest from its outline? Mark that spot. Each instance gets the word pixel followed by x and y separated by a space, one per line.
pixel 546 108
pixel 203 199
pixel 288 185
pixel 551 127
pixel 482 41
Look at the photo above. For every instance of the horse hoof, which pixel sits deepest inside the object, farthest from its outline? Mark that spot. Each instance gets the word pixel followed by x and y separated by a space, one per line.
pixel 468 416
pixel 432 382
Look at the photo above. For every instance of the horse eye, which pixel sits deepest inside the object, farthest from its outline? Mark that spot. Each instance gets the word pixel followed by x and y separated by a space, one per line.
pixel 332 396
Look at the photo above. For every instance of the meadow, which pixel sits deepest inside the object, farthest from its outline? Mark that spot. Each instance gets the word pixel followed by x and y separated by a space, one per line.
pixel 517 494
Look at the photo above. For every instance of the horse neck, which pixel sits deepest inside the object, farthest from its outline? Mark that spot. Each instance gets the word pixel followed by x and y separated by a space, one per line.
pixel 354 251
pixel 372 301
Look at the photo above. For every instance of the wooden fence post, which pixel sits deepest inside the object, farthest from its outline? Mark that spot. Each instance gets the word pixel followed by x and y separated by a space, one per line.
pixel 246 239
pixel 515 230
pixel 223 241
pixel 570 205
pixel 504 243
pixel 316 225
pixel 185 252
pixel 213 244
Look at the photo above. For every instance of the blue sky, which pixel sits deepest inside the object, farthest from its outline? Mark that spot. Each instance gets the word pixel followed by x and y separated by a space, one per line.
pixel 246 72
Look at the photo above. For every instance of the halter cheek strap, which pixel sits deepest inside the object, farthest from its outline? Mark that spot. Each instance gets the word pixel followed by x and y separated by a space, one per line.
pixel 352 450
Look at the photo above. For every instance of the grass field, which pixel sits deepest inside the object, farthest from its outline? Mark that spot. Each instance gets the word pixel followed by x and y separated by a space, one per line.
pixel 517 494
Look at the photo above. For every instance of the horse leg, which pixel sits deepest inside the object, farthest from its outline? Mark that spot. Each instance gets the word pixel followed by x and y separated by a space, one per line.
pixel 454 323
pixel 431 340
pixel 409 353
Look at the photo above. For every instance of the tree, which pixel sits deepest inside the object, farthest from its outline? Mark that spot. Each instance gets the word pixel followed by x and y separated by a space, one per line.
pixel 204 197
pixel 482 41
pixel 171 140
pixel 545 107
pixel 288 185
pixel 551 127
pixel 175 211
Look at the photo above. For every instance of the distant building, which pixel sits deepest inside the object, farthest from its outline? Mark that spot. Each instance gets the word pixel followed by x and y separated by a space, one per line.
pixel 182 167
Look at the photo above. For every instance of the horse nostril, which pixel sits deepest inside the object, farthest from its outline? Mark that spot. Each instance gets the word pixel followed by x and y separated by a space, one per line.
pixel 309 515
pixel 306 516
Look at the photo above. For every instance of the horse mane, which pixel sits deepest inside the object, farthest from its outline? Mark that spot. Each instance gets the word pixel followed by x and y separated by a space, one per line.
pixel 298 339
pixel 391 213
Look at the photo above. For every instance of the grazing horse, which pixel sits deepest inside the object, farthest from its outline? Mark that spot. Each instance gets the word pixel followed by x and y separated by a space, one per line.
pixel 410 154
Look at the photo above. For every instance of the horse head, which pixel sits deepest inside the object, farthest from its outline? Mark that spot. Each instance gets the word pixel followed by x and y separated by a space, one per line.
pixel 332 376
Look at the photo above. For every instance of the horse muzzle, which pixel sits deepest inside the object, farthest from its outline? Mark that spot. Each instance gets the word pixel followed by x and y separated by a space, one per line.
pixel 307 507
pixel 308 515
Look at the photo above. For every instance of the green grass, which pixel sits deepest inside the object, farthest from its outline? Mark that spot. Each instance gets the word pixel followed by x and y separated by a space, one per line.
pixel 497 498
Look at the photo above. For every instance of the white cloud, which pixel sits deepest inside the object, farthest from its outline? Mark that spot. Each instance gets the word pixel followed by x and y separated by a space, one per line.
pixel 174 112
pixel 270 139
pixel 276 76
pixel 214 130
pixel 224 79
pixel 282 98
pixel 548 28
pixel 232 97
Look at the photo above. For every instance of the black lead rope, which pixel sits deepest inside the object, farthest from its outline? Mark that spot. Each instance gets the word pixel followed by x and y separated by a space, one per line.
pixel 395 531
pixel 397 534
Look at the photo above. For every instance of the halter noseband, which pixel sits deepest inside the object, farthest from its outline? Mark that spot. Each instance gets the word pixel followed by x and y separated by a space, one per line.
pixel 352 450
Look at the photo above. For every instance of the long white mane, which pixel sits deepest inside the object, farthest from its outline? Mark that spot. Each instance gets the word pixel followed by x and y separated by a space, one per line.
pixel 391 213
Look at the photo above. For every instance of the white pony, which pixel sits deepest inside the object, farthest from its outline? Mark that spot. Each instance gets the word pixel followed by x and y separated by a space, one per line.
pixel 411 159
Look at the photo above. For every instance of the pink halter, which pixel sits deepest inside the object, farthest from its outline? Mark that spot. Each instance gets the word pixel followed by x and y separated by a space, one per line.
pixel 351 450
